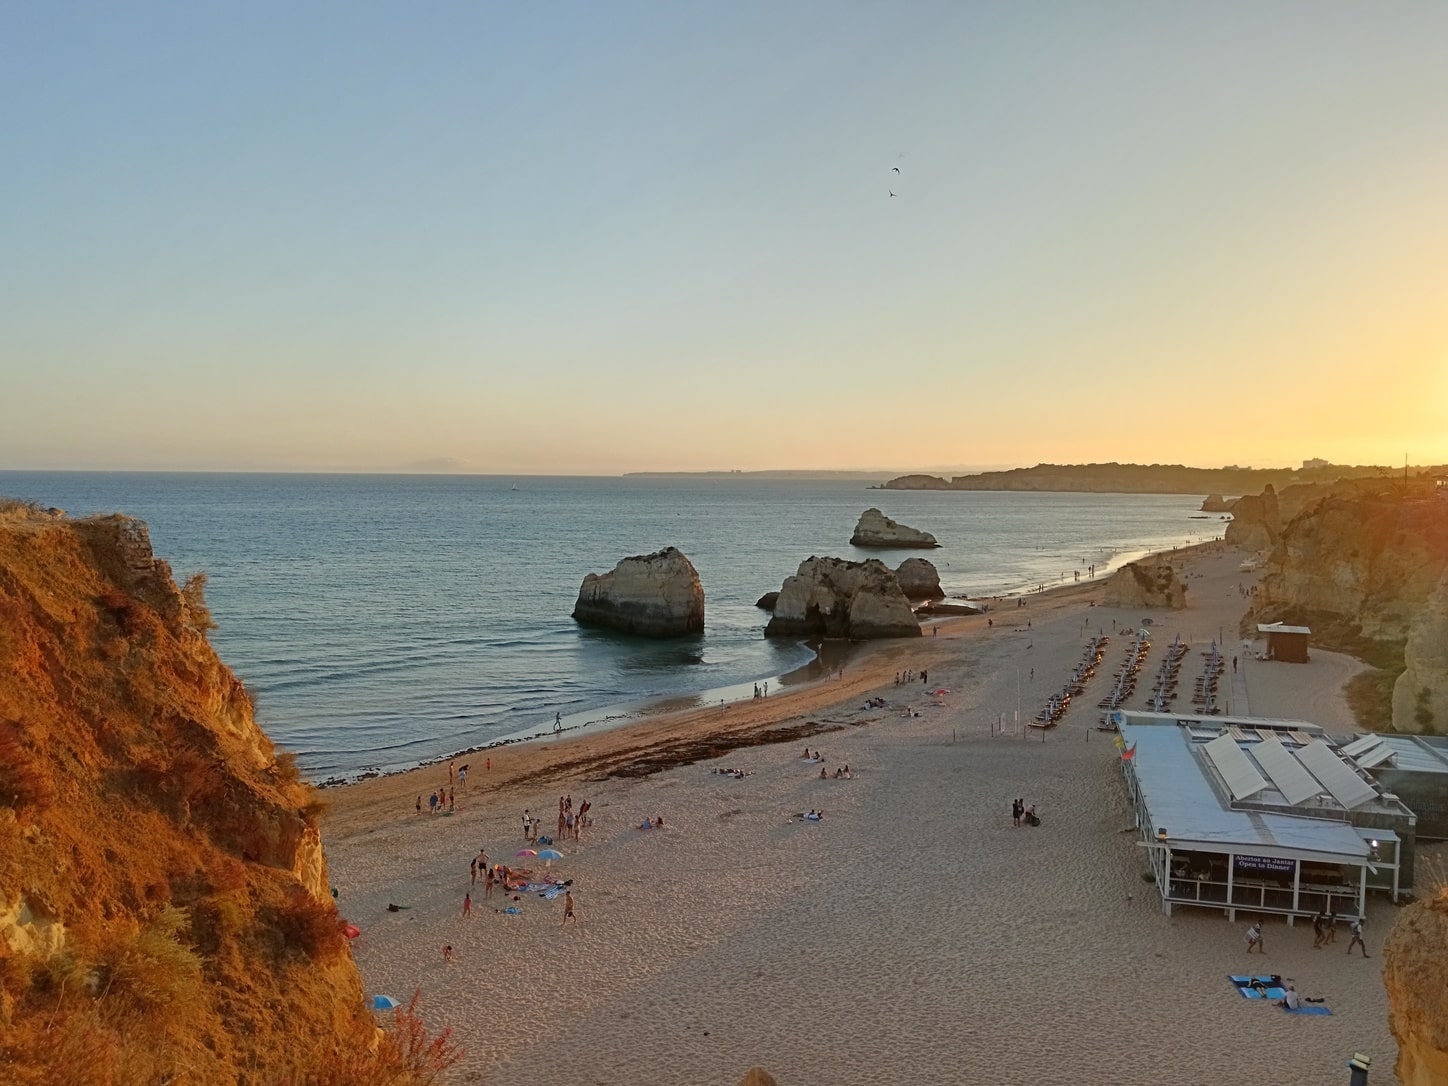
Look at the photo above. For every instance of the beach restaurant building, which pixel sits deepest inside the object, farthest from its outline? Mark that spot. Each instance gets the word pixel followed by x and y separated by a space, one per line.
pixel 1264 816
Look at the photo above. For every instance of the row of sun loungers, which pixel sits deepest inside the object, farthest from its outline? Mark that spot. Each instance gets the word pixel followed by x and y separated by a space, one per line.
pixel 1083 673
pixel 1125 684
pixel 1205 695
pixel 1164 692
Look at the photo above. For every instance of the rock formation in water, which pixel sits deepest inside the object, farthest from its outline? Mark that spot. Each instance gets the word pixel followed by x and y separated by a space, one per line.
pixel 919 579
pixel 767 601
pixel 1420 696
pixel 651 595
pixel 165 913
pixel 1256 521
pixel 1149 583
pixel 829 597
pixel 1415 973
pixel 1215 503
pixel 875 529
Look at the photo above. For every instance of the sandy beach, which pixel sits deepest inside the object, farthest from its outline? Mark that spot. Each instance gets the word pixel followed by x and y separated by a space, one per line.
pixel 913 934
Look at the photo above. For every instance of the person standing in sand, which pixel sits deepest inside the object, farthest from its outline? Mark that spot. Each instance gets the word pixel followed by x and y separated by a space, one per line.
pixel 1254 938
pixel 570 911
pixel 467 905
pixel 1356 927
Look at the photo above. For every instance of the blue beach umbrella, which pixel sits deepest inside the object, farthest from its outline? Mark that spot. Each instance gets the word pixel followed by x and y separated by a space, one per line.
pixel 549 854
pixel 383 1003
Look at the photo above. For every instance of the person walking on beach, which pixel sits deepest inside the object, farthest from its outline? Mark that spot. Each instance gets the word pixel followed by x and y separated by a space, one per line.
pixel 1016 808
pixel 487 881
pixel 452 800
pixel 1318 934
pixel 463 774
pixel 570 911
pixel 432 804
pixel 1356 927
pixel 766 688
pixel 467 905
pixel 487 765
pixel 450 769
pixel 557 723
pixel 473 871
pixel 1254 938
pixel 419 803
pixel 527 823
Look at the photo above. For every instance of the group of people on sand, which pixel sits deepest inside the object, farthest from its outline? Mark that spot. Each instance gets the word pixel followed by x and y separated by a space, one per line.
pixel 910 676
pixel 1022 814
pixel 570 825
pixel 737 774
pixel 841 774
pixel 655 823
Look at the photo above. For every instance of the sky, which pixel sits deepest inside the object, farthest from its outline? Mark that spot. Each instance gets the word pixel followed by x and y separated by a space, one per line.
pixel 601 237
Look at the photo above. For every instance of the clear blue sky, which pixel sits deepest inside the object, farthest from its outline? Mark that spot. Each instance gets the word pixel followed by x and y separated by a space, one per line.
pixel 596 237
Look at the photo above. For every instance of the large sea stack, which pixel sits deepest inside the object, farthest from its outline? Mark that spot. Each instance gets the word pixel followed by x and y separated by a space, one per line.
pixel 875 529
pixel 829 597
pixel 650 595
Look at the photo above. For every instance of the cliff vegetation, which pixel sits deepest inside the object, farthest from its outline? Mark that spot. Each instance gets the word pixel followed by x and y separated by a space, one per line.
pixel 165 914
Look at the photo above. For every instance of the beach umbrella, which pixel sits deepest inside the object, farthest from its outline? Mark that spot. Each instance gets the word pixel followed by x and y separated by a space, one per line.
pixel 526 852
pixel 548 855
pixel 939 690
pixel 383 1003
pixel 351 931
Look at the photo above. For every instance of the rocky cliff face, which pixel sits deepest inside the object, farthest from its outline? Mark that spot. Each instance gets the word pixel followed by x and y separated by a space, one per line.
pixel 875 529
pixel 651 595
pixel 830 597
pixel 1256 521
pixel 165 913
pixel 1420 696
pixel 1369 563
pixel 1146 584
pixel 1415 972
pixel 919 579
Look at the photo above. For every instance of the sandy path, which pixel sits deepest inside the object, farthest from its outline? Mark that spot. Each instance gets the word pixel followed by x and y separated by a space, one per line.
pixel 913 935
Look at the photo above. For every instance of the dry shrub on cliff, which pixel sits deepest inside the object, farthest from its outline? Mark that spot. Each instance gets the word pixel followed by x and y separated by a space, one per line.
pixel 23 783
pixel 407 1054
pixel 194 593
pixel 312 927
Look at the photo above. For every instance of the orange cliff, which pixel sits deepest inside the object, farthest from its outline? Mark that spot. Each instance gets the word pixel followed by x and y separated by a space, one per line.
pixel 1415 971
pixel 165 914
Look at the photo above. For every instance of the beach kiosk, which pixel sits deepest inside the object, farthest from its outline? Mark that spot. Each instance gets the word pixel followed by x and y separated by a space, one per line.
pixel 1287 643
pixel 1257 815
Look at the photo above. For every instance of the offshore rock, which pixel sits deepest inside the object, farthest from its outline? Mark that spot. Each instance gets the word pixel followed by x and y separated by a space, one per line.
pixel 767 601
pixel 875 529
pixel 650 595
pixel 831 597
pixel 919 579
pixel 1148 583
pixel 1420 696
pixel 1415 974
pixel 1215 503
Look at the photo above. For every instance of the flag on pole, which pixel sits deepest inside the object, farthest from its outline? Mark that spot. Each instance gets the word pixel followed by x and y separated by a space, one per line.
pixel 1127 755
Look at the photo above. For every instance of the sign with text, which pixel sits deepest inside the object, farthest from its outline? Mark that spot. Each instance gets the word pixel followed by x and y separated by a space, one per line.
pixel 1264 867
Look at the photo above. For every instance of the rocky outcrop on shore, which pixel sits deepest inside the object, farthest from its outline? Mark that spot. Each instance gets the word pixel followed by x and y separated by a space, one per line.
pixel 919 579
pixel 1415 973
pixel 830 597
pixel 1420 696
pixel 650 595
pixel 875 529
pixel 1256 521
pixel 159 860
pixel 1215 503
pixel 1149 583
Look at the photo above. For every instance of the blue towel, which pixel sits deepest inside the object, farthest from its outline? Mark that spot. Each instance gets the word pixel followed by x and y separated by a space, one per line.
pixel 1250 993
pixel 1308 1010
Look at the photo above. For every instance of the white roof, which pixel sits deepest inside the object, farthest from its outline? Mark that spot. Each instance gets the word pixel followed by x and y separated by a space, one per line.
pixel 1346 786
pixel 1180 799
pixel 1237 771
pixel 1295 783
pixel 1277 627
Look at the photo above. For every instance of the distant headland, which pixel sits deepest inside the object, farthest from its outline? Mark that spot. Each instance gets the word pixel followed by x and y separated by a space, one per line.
pixel 1141 478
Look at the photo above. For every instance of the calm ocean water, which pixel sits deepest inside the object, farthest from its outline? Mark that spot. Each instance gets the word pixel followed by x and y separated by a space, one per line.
pixel 387 619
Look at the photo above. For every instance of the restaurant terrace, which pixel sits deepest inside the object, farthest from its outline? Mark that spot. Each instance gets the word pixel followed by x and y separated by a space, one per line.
pixel 1240 813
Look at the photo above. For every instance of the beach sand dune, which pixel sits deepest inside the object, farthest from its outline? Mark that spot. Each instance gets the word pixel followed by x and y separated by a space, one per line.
pixel 914 934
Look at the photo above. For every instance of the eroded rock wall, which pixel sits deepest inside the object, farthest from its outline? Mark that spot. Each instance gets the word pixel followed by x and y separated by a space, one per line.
pixel 1415 973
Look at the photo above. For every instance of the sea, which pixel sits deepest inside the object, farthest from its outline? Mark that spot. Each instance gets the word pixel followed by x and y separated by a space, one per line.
pixel 384 621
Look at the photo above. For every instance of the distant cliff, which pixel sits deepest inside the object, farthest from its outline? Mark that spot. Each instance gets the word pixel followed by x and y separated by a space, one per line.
pixel 165 912
pixel 1133 479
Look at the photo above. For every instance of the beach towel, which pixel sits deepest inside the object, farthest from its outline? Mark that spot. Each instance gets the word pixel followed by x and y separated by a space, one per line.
pixel 1308 1010
pixel 552 892
pixel 1273 984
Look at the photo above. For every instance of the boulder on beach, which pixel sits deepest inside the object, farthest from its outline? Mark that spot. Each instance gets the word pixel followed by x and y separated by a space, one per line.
pixel 875 529
pixel 919 579
pixel 767 601
pixel 651 595
pixel 830 597
pixel 1151 582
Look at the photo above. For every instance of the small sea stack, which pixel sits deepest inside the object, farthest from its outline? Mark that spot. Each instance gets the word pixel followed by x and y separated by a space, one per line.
pixel 919 579
pixel 875 529
pixel 650 595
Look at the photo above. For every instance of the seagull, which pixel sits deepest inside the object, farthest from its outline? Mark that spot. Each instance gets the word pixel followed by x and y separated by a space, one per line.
pixel 895 168
pixel 892 194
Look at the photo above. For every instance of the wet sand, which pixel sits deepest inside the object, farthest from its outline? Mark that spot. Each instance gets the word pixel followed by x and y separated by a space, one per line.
pixel 914 934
